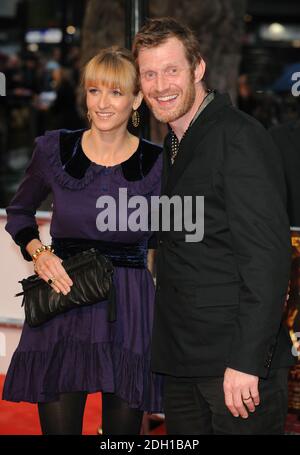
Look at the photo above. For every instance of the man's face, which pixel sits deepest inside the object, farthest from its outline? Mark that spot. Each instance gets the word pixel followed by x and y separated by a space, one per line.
pixel 167 81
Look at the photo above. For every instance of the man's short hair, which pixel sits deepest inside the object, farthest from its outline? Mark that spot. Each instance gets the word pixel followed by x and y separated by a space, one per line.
pixel 158 31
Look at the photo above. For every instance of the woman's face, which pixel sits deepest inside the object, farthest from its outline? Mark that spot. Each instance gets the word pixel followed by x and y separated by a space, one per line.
pixel 110 108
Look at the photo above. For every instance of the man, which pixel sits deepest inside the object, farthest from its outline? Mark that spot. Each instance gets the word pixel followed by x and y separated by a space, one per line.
pixel 217 333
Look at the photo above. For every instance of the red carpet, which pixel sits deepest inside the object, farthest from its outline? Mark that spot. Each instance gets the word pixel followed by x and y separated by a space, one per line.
pixel 22 418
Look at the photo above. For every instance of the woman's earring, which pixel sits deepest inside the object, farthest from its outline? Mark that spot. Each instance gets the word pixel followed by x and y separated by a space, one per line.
pixel 135 118
pixel 89 117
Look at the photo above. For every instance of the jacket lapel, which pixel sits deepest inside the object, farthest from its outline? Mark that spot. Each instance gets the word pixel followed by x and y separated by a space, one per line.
pixel 190 143
pixel 166 161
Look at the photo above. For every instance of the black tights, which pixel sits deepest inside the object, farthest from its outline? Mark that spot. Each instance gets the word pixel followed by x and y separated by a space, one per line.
pixel 65 416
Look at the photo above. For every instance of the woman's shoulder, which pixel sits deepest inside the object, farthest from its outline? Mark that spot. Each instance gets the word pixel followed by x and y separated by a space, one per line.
pixel 45 146
pixel 54 136
pixel 57 147
pixel 48 136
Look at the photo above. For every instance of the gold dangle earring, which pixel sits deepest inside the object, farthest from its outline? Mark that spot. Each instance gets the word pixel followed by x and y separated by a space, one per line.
pixel 89 117
pixel 135 118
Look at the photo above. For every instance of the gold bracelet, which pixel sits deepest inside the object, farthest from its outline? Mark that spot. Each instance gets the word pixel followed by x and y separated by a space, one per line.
pixel 40 250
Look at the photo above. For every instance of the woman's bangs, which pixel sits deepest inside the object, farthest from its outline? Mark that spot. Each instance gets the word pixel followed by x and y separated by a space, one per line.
pixel 113 74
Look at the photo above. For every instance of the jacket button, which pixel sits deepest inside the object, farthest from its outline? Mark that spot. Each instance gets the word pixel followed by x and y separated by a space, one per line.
pixel 161 242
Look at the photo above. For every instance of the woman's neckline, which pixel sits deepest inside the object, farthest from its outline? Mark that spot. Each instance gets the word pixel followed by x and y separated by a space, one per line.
pixel 93 163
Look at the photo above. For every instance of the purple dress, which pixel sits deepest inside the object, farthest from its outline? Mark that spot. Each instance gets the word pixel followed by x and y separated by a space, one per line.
pixel 79 350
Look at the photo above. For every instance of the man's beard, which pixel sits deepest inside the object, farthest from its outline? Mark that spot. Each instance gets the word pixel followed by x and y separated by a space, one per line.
pixel 185 105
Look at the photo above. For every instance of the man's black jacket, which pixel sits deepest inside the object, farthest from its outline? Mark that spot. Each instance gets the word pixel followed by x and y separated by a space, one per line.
pixel 219 301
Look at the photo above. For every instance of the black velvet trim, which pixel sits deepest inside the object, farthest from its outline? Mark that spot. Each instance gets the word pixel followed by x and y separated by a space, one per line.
pixel 141 162
pixel 23 237
pixel 75 162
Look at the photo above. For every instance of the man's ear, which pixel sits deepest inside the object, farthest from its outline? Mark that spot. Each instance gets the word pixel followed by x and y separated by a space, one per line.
pixel 200 71
pixel 137 100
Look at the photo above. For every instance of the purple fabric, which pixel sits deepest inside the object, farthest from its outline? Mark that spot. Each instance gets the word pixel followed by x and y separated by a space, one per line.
pixel 80 350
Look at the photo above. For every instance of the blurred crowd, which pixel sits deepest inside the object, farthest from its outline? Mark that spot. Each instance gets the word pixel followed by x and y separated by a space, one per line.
pixel 270 107
pixel 41 93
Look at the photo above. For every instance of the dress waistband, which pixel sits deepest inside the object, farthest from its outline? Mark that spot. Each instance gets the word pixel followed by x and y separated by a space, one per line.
pixel 121 254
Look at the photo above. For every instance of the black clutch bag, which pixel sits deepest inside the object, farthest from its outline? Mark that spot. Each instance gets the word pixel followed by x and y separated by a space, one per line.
pixel 92 276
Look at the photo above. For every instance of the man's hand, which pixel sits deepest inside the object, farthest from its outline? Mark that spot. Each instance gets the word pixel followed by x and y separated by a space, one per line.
pixel 241 392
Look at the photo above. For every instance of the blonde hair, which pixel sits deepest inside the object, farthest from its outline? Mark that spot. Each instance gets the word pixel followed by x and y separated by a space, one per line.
pixel 113 67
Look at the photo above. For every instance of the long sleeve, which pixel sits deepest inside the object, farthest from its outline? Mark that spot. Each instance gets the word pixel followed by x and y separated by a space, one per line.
pixel 21 222
pixel 255 204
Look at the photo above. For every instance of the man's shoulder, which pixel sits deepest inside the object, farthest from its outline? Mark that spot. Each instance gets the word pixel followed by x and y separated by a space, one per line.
pixel 239 129
pixel 230 117
pixel 236 120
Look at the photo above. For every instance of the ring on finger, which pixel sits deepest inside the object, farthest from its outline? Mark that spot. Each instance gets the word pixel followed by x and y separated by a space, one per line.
pixel 51 280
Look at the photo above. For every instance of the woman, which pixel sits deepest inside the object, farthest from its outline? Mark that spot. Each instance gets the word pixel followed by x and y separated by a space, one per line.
pixel 57 364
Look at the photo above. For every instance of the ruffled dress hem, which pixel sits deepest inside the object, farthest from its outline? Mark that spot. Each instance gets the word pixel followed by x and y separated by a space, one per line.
pixel 73 366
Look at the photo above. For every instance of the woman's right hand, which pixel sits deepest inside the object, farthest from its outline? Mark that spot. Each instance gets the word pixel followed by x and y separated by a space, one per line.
pixel 49 266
